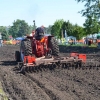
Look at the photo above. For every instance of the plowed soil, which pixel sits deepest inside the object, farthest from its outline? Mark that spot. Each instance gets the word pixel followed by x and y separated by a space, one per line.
pixel 57 84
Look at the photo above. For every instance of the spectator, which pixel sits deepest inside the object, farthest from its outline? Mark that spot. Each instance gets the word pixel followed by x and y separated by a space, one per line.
pixel 89 42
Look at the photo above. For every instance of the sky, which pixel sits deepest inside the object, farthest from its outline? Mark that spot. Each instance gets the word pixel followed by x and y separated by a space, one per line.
pixel 44 12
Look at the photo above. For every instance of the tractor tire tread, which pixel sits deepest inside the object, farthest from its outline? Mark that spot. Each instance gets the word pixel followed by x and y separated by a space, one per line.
pixel 27 47
pixel 54 46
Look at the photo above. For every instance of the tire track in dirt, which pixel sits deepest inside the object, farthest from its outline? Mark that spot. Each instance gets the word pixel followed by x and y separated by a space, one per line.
pixel 56 83
pixel 86 78
pixel 91 89
pixel 75 86
pixel 47 91
pixel 23 88
pixel 49 87
pixel 68 85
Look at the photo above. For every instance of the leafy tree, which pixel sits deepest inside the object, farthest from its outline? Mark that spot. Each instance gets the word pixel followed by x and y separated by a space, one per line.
pixel 78 31
pixel 92 7
pixel 72 30
pixel 57 28
pixel 4 33
pixel 19 28
pixel 68 27
pixel 92 13
pixel 91 25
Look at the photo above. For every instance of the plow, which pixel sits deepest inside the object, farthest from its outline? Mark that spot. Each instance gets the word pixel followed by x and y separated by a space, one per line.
pixel 52 62
pixel 38 54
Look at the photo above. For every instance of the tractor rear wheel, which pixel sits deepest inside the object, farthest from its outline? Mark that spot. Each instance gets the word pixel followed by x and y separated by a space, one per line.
pixel 26 48
pixel 54 46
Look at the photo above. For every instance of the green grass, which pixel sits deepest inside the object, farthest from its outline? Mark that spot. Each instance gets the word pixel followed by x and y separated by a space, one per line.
pixel 2 93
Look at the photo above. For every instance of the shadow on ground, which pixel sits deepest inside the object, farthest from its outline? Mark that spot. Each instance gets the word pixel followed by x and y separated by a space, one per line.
pixel 8 63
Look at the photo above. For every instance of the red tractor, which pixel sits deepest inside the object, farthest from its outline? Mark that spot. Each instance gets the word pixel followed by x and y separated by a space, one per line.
pixel 35 54
pixel 31 50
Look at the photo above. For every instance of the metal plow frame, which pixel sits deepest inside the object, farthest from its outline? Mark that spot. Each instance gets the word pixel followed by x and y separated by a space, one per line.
pixel 74 60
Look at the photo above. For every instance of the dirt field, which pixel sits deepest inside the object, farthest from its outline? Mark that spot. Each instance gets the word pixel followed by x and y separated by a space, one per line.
pixel 58 84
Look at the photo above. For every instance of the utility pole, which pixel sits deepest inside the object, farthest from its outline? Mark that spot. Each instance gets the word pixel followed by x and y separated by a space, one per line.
pixel 62 34
pixel 34 24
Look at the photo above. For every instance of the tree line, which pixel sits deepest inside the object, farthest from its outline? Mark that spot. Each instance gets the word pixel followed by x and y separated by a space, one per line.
pixel 91 25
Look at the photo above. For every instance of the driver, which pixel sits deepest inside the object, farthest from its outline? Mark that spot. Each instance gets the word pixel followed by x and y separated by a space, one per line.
pixel 39 33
